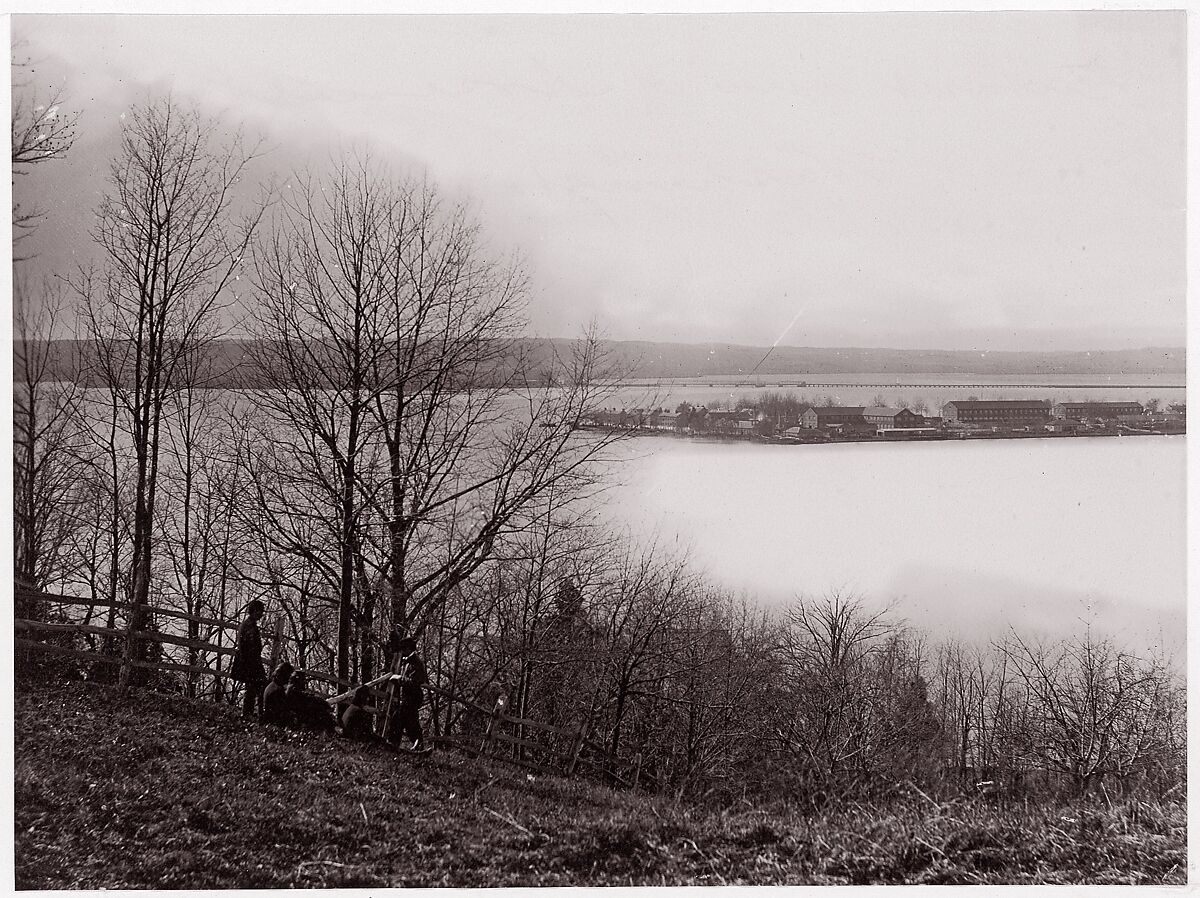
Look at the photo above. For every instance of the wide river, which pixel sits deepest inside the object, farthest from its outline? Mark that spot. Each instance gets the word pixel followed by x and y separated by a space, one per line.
pixel 962 539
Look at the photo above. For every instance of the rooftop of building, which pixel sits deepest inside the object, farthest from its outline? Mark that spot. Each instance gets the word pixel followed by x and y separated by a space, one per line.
pixel 997 403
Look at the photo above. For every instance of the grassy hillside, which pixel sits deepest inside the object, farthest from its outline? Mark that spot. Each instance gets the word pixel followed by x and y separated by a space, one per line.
pixel 156 791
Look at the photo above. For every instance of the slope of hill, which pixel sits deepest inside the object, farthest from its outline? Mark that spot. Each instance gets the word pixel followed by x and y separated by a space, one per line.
pixel 230 360
pixel 708 359
pixel 155 791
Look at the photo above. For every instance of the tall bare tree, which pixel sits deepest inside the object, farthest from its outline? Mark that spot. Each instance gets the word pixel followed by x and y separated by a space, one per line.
pixel 48 446
pixel 45 401
pixel 395 401
pixel 170 243
pixel 858 694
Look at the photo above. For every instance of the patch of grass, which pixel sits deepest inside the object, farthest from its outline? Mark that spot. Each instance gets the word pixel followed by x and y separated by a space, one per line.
pixel 149 791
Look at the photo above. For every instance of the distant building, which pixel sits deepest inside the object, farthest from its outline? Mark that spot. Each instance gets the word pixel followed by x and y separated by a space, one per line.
pixel 608 417
pixel 782 422
pixel 721 421
pixel 668 420
pixel 832 416
pixel 633 418
pixel 1080 411
pixel 996 412
pixel 882 417
pixel 1144 420
pixel 800 413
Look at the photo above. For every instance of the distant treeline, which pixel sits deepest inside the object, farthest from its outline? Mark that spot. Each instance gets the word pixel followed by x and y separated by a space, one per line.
pixel 231 362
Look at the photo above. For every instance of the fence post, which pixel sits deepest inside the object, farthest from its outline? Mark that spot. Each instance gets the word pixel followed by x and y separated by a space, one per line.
pixel 493 724
pixel 576 748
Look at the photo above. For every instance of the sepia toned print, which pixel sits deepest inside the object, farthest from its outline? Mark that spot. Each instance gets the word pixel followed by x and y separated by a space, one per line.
pixel 506 450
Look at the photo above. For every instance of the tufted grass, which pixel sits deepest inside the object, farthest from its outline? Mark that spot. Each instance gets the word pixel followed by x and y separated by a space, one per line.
pixel 151 791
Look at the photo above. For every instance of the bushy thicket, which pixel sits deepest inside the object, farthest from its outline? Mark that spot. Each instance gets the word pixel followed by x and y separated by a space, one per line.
pixel 826 699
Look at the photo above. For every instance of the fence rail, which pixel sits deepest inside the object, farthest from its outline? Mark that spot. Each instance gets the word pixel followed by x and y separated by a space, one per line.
pixel 88 602
pixel 565 758
pixel 101 658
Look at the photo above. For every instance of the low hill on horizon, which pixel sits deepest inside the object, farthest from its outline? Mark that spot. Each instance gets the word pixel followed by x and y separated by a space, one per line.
pixel 657 360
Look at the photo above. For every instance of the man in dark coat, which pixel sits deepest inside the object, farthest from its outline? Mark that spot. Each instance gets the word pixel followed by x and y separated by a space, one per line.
pixel 247 667
pixel 409 671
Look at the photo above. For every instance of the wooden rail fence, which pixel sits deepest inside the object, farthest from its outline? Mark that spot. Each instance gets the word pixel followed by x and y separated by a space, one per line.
pixel 564 751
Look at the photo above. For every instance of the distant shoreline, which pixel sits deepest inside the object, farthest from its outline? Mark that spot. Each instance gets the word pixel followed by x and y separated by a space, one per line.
pixel 954 436
pixel 232 363
pixel 694 382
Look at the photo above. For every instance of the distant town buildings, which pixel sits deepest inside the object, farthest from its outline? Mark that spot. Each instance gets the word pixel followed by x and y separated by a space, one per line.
pixel 997 412
pixel 805 423
pixel 667 420
pixel 884 418
pixel 832 416
pixel 1080 411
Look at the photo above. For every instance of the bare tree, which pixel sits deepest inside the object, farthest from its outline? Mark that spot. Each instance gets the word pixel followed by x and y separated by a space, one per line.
pixel 45 399
pixel 48 446
pixel 170 247
pixel 964 685
pixel 829 648
pixel 394 399
pixel 104 548
pixel 709 720
pixel 1092 711
pixel 644 602
pixel 200 476
pixel 42 129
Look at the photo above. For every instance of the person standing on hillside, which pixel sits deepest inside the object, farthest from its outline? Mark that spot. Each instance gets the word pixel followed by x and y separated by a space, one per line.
pixel 409 671
pixel 247 667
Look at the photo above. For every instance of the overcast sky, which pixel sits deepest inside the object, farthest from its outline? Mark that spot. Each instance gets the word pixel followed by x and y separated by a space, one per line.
pixel 986 181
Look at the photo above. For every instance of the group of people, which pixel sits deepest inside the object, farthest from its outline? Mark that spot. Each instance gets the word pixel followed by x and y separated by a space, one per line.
pixel 284 699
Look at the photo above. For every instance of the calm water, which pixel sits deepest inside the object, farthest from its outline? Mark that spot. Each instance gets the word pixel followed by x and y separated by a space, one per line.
pixel 963 538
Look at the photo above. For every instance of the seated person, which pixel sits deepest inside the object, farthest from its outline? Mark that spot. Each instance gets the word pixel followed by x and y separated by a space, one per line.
pixel 306 710
pixel 274 699
pixel 356 719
